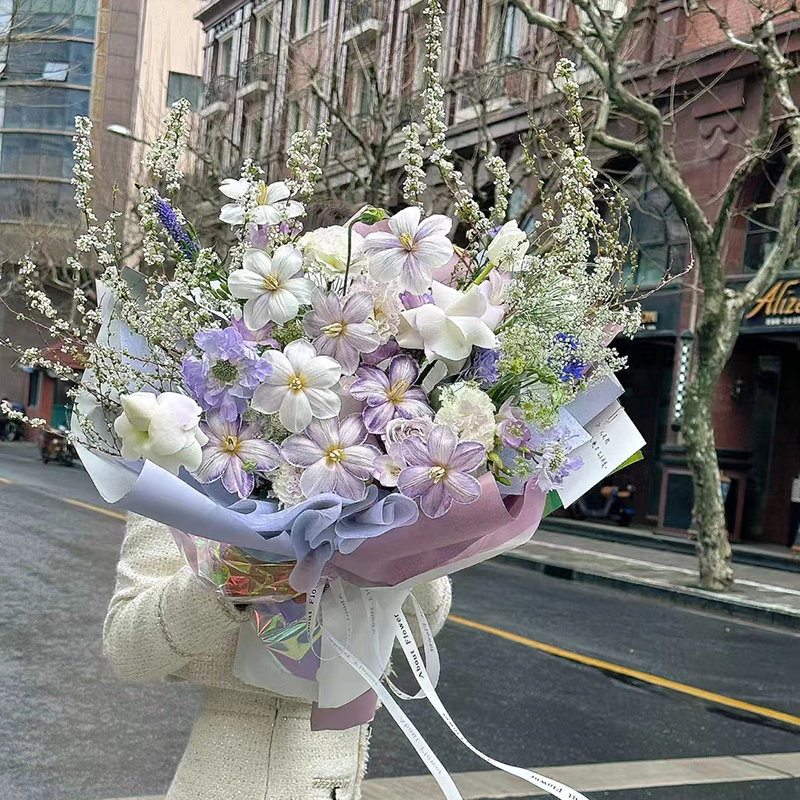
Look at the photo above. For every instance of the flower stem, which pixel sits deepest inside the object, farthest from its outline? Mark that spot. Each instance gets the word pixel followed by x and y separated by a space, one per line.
pixel 483 274
pixel 349 254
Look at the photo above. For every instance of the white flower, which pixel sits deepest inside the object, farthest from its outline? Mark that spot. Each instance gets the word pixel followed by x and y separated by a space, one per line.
pixel 400 428
pixel 273 203
pixel 508 248
pixel 161 428
pixel 469 411
pixel 286 484
pixel 269 286
pixel 411 251
pixel 299 387
pixel 449 327
pixel 386 305
pixel 325 251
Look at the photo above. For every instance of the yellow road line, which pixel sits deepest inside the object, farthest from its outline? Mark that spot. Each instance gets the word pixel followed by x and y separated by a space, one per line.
pixel 646 677
pixel 89 507
pixel 5 480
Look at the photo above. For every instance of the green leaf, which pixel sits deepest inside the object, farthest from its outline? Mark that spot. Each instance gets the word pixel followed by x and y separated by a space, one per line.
pixel 552 503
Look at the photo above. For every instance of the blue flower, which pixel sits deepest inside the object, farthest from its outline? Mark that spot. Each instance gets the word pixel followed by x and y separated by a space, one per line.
pixel 484 367
pixel 227 374
pixel 169 219
pixel 572 369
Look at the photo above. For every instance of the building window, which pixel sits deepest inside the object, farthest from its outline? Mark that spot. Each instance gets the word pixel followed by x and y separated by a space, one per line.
pixel 365 94
pixel 181 85
pixel 303 18
pixel 225 57
pixel 326 10
pixel 295 117
pixel 55 71
pixel 251 143
pixel 506 32
pixel 264 35
pixel 34 387
pixel 315 117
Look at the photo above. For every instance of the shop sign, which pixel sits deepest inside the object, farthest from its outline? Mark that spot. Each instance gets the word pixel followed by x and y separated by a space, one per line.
pixel 779 306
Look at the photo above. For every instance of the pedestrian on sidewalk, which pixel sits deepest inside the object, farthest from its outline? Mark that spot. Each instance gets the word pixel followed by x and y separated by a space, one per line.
pixel 246 743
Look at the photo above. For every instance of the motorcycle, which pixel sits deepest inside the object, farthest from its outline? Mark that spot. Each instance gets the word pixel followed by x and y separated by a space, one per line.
pixel 611 503
pixel 54 445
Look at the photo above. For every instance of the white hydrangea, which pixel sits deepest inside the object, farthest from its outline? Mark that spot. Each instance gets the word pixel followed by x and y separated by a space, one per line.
pixel 286 484
pixel 386 305
pixel 469 411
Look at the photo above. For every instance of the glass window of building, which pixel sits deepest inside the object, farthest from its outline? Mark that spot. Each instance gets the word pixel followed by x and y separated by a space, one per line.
pixel 181 85
pixel 264 34
pixel 225 57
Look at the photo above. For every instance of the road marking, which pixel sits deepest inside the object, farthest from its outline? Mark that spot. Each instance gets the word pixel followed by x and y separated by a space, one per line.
pixel 668 567
pixel 608 777
pixel 98 509
pixel 5 480
pixel 646 677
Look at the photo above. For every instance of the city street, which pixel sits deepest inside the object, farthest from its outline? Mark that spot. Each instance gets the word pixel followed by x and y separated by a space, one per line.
pixel 535 671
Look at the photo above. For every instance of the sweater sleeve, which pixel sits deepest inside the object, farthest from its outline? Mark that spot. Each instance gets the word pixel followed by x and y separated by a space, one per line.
pixel 435 599
pixel 161 616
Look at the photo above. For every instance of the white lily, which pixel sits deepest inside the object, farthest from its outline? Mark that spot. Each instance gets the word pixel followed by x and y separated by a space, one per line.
pixel 161 428
pixel 299 387
pixel 509 246
pixel 273 201
pixel 449 327
pixel 270 286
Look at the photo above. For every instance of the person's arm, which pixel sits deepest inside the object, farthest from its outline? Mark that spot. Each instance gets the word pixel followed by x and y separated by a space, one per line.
pixel 161 616
pixel 435 599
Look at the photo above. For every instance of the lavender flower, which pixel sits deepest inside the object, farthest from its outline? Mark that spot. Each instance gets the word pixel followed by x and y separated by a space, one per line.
pixel 438 471
pixel 384 352
pixel 389 466
pixel 552 459
pixel 233 453
pixel 227 374
pixel 341 331
pixel 410 301
pixel 390 394
pixel 260 337
pixel 333 456
pixel 169 219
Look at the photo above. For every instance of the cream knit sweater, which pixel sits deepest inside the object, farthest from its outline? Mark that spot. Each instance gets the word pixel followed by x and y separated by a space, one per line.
pixel 246 744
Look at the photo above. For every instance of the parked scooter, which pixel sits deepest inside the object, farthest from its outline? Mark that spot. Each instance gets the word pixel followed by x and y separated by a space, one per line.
pixel 12 429
pixel 55 446
pixel 612 503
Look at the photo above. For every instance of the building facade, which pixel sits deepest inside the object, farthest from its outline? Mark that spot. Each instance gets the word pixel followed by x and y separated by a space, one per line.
pixel 273 67
pixel 119 62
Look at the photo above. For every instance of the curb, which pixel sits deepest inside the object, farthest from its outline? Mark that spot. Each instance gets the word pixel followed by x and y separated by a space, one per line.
pixel 686 547
pixel 676 595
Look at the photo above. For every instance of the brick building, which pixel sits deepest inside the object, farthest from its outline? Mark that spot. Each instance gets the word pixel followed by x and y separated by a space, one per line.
pixel 273 67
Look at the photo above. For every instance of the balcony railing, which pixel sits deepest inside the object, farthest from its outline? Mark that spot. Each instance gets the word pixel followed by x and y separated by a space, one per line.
pixel 219 90
pixel 259 68
pixel 363 16
pixel 506 77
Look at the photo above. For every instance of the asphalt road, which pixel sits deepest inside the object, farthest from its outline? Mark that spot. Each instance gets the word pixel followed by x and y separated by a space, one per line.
pixel 70 731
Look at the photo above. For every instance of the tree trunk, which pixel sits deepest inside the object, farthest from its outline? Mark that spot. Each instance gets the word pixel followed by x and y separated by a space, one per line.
pixel 716 335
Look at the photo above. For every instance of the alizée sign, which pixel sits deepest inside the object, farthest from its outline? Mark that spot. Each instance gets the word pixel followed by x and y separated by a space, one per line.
pixel 780 305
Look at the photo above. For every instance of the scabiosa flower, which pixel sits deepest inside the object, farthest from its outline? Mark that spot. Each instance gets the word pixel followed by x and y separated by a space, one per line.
pixel 228 373
pixel 390 394
pixel 438 471
pixel 511 428
pixel 411 250
pixel 340 331
pixel 172 225
pixel 388 467
pixel 233 454
pixel 552 461
pixel 260 337
pixel 334 457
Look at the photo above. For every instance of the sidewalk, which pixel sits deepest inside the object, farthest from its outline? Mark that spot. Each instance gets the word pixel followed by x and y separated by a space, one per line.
pixel 762 594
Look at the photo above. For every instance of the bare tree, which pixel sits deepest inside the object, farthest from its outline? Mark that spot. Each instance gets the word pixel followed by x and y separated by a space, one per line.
pixel 639 123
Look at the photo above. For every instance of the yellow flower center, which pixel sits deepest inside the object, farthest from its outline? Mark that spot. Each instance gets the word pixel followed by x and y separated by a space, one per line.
pixel 406 241
pixel 437 474
pixel 334 329
pixel 262 193
pixel 231 444
pixel 271 283
pixel 296 384
pixel 336 455
pixel 397 391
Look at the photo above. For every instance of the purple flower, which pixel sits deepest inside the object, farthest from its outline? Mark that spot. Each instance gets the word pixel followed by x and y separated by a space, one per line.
pixel 390 394
pixel 341 332
pixel 233 453
pixel 484 367
pixel 438 471
pixel 227 374
pixel 552 460
pixel 389 466
pixel 333 456
pixel 169 219
pixel 384 352
pixel 410 301
pixel 572 368
pixel 260 337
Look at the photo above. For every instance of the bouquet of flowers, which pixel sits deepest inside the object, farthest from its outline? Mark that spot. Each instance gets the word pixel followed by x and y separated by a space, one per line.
pixel 326 418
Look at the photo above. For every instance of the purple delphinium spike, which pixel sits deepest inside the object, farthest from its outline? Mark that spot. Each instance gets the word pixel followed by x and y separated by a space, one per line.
pixel 169 219
pixel 438 471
